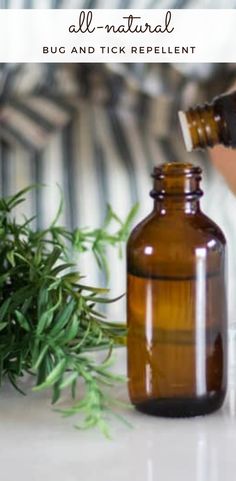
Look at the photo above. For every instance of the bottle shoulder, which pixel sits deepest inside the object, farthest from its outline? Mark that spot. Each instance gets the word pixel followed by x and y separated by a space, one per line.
pixel 142 228
pixel 208 227
pixel 187 229
pixel 171 245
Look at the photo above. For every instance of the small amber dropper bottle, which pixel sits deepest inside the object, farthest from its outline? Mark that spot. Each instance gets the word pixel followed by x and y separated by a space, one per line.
pixel 210 124
pixel 176 301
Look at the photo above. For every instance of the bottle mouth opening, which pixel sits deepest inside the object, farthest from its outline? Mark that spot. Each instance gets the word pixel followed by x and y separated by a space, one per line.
pixel 178 180
pixel 176 169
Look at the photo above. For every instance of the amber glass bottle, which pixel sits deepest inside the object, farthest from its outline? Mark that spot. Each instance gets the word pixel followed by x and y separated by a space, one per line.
pixel 176 301
pixel 210 124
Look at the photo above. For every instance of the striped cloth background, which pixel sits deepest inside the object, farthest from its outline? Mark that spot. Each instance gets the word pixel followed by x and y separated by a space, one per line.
pixel 98 130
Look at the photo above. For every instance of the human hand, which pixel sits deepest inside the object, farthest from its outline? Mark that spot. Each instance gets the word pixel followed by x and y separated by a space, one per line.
pixel 224 160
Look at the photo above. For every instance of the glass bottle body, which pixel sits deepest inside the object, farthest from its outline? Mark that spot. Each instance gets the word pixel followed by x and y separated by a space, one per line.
pixel 176 306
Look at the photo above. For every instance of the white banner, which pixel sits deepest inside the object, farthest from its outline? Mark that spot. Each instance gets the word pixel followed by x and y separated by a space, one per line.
pixel 118 35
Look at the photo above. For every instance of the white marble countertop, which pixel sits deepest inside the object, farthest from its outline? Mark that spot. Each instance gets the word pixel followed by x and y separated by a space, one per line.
pixel 37 444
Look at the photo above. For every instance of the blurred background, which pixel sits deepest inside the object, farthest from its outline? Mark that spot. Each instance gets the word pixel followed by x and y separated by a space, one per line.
pixel 97 131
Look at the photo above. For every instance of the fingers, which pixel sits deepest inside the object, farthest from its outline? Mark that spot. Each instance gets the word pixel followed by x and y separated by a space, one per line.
pixel 224 160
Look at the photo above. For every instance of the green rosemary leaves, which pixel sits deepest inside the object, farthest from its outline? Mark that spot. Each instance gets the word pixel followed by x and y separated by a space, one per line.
pixel 49 319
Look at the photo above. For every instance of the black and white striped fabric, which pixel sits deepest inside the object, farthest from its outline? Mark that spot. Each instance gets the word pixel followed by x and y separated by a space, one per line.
pixel 98 130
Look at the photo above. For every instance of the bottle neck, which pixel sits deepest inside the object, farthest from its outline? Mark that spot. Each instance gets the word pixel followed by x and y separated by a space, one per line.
pixel 176 205
pixel 176 189
pixel 204 126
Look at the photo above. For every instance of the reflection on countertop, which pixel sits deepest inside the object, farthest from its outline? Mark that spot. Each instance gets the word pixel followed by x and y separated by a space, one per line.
pixel 36 443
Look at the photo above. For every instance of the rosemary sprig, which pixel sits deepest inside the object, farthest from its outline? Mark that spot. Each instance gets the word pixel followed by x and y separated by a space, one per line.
pixel 49 320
